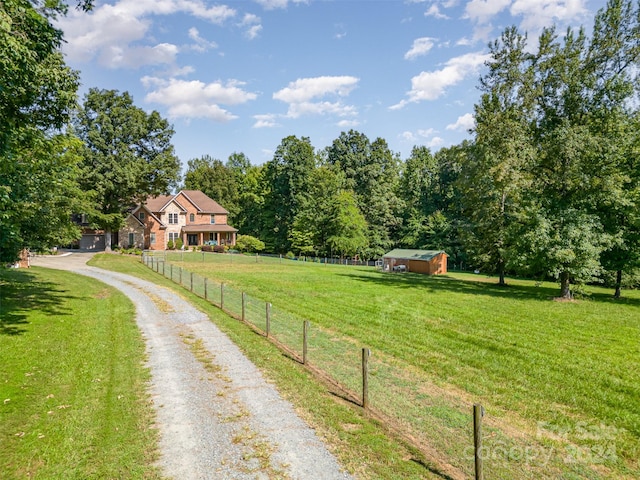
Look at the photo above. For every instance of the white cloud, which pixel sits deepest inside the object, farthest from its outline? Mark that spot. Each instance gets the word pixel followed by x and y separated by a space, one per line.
pixel 265 121
pixel 201 45
pixel 108 31
pixel 540 13
pixel 426 133
pixel 305 89
pixel 133 57
pixel 305 94
pixel 348 123
pixel 434 11
pixel 435 142
pixel 196 99
pixel 274 4
pixel 482 11
pixel 408 136
pixel 253 24
pixel 432 85
pixel 463 123
pixel 421 46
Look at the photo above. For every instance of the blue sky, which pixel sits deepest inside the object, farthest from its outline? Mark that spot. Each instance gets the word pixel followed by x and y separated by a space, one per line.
pixel 239 76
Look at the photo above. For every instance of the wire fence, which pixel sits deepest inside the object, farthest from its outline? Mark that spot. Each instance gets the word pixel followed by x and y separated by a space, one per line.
pixel 436 422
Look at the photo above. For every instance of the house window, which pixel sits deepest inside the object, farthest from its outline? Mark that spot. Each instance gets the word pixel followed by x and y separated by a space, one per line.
pixel 213 219
pixel 152 238
pixel 192 217
pixel 132 239
pixel 173 236
pixel 212 236
pixel 141 215
pixel 173 218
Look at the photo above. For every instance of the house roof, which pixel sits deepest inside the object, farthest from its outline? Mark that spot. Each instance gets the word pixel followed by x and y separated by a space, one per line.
pixel 150 212
pixel 157 204
pixel 202 202
pixel 402 254
pixel 208 228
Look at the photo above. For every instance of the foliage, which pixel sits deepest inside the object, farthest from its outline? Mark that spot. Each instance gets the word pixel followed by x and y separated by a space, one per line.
pixel 38 168
pixel 170 245
pixel 347 227
pixel 288 182
pixel 178 244
pixel 128 154
pixel 216 180
pixel 249 244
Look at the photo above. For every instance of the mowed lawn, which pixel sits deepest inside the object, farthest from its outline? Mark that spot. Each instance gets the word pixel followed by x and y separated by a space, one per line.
pixel 73 402
pixel 574 366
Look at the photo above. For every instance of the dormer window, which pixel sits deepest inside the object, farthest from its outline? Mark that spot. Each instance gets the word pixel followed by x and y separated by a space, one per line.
pixel 192 217
pixel 141 216
pixel 213 219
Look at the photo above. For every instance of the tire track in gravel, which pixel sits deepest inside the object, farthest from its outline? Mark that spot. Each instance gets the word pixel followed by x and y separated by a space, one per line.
pixel 218 418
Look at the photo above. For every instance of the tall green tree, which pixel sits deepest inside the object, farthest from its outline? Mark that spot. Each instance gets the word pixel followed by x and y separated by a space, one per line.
pixel 347 226
pixel 497 170
pixel 288 180
pixel 371 171
pixel 128 155
pixel 38 161
pixel 216 180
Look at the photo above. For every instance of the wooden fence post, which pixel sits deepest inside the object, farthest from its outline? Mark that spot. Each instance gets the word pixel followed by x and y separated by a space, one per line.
pixel 366 353
pixel 268 316
pixel 222 296
pixel 205 288
pixel 305 340
pixel 478 413
pixel 244 300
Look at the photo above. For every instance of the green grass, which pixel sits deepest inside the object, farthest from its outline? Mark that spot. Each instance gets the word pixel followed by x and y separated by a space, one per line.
pixel 361 444
pixel 73 402
pixel 460 339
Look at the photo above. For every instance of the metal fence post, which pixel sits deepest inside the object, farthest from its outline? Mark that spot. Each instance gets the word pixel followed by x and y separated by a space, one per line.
pixel 222 296
pixel 244 301
pixel 191 282
pixel 205 288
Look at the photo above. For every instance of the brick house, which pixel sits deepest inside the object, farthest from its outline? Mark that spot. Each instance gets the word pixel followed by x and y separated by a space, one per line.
pixel 189 215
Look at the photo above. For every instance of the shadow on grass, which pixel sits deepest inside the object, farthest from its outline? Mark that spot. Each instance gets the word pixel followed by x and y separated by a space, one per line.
pixel 476 287
pixel 22 292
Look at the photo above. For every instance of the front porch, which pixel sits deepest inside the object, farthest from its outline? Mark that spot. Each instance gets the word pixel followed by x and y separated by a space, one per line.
pixel 198 235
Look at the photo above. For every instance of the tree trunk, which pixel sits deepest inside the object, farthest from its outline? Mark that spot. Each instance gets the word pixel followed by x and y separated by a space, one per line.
pixel 565 286
pixel 501 281
pixel 107 239
pixel 618 284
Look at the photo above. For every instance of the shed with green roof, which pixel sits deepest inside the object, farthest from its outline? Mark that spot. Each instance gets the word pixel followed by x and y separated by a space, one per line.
pixel 429 262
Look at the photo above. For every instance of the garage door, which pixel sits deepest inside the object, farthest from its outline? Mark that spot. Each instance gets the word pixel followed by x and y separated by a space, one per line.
pixel 92 242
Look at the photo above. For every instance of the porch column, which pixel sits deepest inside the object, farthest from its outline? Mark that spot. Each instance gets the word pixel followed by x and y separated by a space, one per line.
pixel 201 236
pixel 184 240
pixel 218 238
pixel 234 238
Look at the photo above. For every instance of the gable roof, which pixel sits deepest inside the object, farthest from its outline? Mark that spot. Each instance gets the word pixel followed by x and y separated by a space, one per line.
pixel 202 202
pixel 403 254
pixel 157 204
pixel 150 212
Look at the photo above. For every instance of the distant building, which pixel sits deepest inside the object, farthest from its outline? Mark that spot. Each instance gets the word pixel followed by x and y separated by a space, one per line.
pixel 429 262
pixel 189 215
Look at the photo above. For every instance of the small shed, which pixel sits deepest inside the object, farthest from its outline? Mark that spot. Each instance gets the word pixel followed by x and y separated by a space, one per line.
pixel 429 262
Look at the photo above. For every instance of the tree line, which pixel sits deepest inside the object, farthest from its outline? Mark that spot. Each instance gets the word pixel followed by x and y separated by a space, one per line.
pixel 547 186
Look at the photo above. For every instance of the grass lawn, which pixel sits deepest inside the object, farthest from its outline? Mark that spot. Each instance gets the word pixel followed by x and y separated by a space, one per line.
pixel 560 380
pixel 72 380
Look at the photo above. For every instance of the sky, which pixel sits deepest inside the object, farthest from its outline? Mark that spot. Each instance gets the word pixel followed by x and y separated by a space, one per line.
pixel 240 76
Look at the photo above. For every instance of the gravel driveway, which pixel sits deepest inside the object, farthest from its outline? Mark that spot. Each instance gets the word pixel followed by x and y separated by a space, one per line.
pixel 218 417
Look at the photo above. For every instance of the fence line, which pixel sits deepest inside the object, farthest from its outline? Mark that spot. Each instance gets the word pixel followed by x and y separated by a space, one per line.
pixel 385 389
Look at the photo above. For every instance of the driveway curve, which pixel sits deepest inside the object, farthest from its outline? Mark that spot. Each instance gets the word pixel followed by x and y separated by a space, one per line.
pixel 218 418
